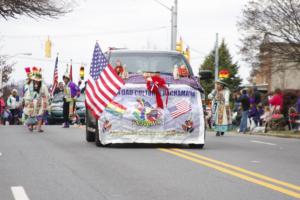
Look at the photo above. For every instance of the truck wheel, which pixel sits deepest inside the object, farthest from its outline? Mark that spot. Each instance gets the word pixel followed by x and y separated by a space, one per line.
pixel 196 146
pixel 90 136
pixel 97 140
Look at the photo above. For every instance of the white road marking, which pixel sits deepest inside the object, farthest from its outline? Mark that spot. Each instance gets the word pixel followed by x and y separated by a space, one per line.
pixel 19 193
pixel 260 142
pixel 0 154
pixel 255 161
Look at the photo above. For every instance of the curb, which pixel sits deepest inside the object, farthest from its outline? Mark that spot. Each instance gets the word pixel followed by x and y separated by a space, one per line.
pixel 281 135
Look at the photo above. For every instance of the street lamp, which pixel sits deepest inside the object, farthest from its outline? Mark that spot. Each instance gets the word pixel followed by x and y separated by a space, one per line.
pixel 173 10
pixel 6 57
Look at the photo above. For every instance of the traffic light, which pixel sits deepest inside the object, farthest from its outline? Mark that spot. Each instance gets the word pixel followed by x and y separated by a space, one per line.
pixel 179 46
pixel 81 72
pixel 48 46
pixel 187 54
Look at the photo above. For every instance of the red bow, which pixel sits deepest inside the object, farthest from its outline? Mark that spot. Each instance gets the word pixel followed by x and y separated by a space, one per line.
pixel 153 85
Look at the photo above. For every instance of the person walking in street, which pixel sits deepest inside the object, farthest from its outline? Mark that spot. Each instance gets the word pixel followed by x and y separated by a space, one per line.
pixel 221 112
pixel 70 93
pixel 36 101
pixel 13 103
pixel 245 103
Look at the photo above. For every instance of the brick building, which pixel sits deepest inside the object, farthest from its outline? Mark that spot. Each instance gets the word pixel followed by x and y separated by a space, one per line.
pixel 274 71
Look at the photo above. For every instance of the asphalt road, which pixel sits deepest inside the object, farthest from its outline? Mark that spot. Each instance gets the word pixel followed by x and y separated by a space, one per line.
pixel 60 165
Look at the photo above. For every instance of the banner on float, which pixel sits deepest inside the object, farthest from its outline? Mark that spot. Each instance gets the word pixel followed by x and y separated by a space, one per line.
pixel 134 117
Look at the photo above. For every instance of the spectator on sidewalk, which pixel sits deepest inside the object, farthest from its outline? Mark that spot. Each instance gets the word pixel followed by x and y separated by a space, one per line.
pixel 2 108
pixel 245 102
pixel 253 115
pixel 266 117
pixel 260 113
pixel 6 116
pixel 276 101
pixel 237 103
pixel 256 96
pixel 298 111
pixel 13 103
pixel 298 102
pixel 59 89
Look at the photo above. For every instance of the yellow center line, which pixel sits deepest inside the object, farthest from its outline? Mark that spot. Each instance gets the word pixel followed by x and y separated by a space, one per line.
pixel 236 174
pixel 289 185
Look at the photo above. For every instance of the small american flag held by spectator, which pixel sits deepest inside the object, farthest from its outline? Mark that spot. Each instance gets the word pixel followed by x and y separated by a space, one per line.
pixel 179 109
pixel 55 77
pixel 103 83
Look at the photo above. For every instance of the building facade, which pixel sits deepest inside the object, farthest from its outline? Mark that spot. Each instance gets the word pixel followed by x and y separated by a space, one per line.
pixel 275 71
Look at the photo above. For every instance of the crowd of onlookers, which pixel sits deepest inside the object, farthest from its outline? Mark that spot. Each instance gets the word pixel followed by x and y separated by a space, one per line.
pixel 255 110
pixel 11 109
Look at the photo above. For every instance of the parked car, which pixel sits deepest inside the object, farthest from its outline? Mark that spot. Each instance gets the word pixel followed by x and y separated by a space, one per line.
pixel 134 115
pixel 55 115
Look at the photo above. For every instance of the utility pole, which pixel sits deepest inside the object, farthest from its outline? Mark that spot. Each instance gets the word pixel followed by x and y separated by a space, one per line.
pixel 217 59
pixel 174 11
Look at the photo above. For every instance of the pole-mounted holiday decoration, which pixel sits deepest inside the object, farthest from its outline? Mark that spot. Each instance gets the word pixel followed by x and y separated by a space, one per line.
pixel 224 73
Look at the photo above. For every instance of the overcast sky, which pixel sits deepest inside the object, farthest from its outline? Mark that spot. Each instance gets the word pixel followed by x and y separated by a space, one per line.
pixel 135 24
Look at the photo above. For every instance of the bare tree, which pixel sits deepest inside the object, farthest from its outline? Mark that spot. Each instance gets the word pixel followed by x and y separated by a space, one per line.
pixel 34 8
pixel 271 22
pixel 6 69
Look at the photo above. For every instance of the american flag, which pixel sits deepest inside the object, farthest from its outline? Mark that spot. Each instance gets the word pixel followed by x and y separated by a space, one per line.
pixel 71 72
pixel 179 109
pixel 103 83
pixel 55 77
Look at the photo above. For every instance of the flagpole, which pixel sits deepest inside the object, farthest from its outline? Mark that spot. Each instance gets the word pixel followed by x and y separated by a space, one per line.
pixel 71 71
pixel 55 75
pixel 217 58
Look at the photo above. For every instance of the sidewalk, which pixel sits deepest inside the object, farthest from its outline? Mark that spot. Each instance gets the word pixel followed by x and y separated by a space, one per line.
pixel 283 134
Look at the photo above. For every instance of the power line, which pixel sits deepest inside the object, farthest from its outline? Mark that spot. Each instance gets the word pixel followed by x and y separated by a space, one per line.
pixel 199 52
pixel 194 50
pixel 64 61
pixel 90 34
pixel 162 4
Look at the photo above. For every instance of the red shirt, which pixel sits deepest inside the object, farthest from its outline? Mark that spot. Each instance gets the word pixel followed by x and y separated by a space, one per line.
pixel 277 100
pixel 2 105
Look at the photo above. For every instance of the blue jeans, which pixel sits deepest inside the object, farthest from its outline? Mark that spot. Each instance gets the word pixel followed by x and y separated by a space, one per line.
pixel 243 125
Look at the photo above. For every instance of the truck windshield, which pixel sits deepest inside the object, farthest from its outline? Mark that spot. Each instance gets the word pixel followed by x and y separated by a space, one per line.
pixel 148 62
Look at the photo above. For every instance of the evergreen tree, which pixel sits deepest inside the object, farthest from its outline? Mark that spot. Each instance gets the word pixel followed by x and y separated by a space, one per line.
pixel 225 62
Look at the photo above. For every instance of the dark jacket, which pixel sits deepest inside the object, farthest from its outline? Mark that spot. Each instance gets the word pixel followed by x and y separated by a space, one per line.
pixel 256 96
pixel 245 101
pixel 298 105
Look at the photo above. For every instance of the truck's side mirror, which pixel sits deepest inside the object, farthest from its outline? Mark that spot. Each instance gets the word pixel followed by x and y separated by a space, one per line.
pixel 205 74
